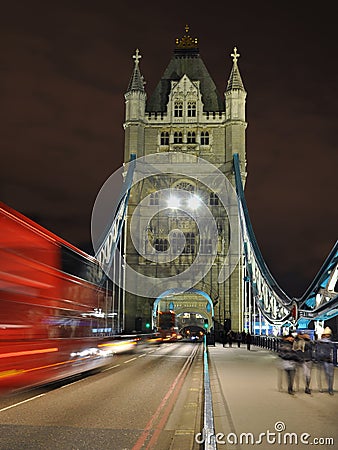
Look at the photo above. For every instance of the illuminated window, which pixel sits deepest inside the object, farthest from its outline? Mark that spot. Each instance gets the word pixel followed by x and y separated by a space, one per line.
pixel 206 246
pixel 213 200
pixel 161 245
pixel 154 198
pixel 186 186
pixel 191 138
pixel 178 109
pixel 165 138
pixel 191 109
pixel 176 244
pixel 178 137
pixel 189 243
pixel 205 138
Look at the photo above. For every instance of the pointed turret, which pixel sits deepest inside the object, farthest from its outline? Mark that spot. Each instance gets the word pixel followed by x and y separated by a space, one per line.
pixel 235 80
pixel 136 81
pixel 135 111
pixel 235 117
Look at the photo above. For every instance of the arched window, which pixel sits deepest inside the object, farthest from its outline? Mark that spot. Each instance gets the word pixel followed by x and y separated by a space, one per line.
pixel 176 244
pixel 189 243
pixel 213 200
pixel 185 185
pixel 178 109
pixel 161 245
pixel 164 138
pixel 154 198
pixel 206 246
pixel 178 137
pixel 191 109
pixel 205 138
pixel 191 137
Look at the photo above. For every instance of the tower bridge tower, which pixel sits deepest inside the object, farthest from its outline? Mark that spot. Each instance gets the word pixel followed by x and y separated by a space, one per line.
pixel 185 115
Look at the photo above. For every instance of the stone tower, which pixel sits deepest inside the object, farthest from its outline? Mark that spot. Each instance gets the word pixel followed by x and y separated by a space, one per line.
pixel 185 115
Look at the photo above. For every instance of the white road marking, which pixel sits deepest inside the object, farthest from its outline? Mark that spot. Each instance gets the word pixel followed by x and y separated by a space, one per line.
pixel 172 356
pixel 129 360
pixel 20 403
pixel 110 368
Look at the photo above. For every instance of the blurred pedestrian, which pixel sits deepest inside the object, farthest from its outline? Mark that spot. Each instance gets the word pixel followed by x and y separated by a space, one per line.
pixel 223 337
pixel 303 347
pixel 324 357
pixel 238 338
pixel 248 340
pixel 289 360
pixel 230 337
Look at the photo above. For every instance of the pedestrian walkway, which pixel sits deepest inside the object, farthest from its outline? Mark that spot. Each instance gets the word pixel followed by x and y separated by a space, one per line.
pixel 247 398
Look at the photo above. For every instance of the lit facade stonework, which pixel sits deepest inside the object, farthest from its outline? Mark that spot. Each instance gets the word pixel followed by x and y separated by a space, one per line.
pixel 185 115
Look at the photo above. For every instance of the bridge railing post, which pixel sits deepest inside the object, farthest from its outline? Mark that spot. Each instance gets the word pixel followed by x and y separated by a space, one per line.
pixel 209 429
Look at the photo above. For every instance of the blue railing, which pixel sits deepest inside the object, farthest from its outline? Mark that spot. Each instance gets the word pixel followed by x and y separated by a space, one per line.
pixel 272 343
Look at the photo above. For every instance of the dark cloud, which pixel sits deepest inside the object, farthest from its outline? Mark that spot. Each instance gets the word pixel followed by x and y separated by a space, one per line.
pixel 64 68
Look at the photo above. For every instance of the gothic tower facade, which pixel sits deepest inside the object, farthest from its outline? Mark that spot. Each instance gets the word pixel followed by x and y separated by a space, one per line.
pixel 185 115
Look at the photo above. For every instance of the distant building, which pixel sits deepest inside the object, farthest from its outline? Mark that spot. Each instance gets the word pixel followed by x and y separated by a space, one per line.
pixel 185 114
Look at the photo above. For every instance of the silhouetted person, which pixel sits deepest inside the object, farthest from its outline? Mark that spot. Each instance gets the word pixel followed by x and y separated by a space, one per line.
pixel 239 338
pixel 230 337
pixel 289 360
pixel 324 356
pixel 303 347
pixel 223 338
pixel 248 340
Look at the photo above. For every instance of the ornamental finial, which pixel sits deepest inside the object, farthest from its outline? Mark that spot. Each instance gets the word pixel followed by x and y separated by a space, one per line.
pixel 235 55
pixel 187 41
pixel 137 56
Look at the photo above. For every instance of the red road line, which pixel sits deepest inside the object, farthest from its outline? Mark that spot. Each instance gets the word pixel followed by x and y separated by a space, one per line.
pixel 178 381
pixel 167 411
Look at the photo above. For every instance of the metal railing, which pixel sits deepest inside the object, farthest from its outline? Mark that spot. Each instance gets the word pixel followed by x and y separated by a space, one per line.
pixel 208 426
pixel 272 343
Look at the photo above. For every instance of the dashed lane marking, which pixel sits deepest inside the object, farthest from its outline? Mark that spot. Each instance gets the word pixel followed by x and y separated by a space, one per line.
pixel 129 360
pixel 110 368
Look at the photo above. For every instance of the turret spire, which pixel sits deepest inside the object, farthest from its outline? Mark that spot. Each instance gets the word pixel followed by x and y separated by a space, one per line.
pixel 235 80
pixel 136 82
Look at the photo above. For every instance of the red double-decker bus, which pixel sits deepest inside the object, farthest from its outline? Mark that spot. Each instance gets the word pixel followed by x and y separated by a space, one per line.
pixel 167 325
pixel 52 302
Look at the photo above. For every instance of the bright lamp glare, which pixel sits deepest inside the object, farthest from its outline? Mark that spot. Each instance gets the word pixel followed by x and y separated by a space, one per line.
pixel 195 202
pixel 173 202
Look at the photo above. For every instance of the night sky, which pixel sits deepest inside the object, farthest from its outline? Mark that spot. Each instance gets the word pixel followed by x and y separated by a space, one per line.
pixel 64 69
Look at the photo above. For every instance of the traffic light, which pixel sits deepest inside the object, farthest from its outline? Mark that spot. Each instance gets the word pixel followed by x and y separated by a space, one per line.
pixel 206 324
pixel 147 325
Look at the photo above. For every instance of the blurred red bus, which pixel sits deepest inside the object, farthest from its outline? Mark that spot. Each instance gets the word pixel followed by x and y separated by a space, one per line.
pixel 167 326
pixel 53 305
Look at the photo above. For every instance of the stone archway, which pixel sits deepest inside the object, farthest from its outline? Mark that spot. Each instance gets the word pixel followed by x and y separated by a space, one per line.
pixel 191 301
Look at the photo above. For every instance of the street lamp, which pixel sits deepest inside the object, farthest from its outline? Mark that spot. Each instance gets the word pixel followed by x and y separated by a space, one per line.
pixel 194 202
pixel 173 202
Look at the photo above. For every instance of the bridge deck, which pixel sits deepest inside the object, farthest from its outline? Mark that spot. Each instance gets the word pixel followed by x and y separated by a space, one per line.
pixel 248 398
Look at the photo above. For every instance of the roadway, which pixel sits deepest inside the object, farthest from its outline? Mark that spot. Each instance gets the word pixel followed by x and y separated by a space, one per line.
pixel 150 398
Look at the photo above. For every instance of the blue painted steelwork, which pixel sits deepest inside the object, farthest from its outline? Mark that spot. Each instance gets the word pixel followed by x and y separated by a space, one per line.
pixel 319 302
pixel 106 251
pixel 273 302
